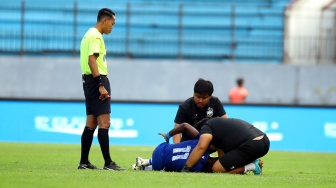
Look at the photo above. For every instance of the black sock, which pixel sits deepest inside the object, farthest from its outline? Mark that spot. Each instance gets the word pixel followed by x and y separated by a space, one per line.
pixel 103 139
pixel 86 140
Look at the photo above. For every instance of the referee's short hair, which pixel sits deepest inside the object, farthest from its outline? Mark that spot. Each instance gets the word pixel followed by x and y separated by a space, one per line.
pixel 105 12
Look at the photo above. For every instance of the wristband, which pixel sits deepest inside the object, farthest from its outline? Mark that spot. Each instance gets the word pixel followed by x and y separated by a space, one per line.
pixel 168 135
pixel 185 168
pixel 99 80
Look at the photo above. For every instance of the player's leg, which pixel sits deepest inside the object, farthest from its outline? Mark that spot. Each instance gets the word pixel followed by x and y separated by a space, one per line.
pixel 141 162
pixel 219 168
pixel 264 146
pixel 158 155
pixel 244 158
pixel 102 110
pixel 234 162
pixel 103 139
pixel 91 123
pixel 154 163
pixel 258 147
pixel 207 168
pixel 255 167
pixel 86 140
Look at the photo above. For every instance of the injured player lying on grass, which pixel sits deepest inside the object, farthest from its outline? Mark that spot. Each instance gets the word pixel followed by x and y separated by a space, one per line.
pixel 173 157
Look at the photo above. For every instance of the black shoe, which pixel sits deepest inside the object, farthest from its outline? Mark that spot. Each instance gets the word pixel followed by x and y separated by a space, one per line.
pixel 87 166
pixel 113 166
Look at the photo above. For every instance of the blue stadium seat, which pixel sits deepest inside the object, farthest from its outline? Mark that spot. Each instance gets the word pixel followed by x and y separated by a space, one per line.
pixel 152 29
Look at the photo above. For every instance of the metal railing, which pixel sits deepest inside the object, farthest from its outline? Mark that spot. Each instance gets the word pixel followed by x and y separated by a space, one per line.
pixel 232 33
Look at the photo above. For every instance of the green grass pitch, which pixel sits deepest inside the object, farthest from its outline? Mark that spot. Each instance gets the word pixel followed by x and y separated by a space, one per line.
pixel 55 165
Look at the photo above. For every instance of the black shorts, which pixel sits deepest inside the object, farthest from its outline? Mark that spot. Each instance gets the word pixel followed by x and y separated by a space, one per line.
pixel 245 153
pixel 94 106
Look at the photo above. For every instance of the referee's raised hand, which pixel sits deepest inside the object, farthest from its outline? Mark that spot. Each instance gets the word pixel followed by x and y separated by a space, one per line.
pixel 103 93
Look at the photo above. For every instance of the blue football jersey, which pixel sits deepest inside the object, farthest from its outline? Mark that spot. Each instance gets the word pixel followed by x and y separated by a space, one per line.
pixel 172 157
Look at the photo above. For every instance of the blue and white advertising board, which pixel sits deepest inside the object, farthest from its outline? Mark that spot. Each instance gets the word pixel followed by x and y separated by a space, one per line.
pixel 137 124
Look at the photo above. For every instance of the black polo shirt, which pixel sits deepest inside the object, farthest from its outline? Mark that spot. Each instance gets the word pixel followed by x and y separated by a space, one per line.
pixel 188 112
pixel 229 133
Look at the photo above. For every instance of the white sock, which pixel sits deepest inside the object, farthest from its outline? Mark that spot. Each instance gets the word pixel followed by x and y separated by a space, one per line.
pixel 249 167
pixel 146 162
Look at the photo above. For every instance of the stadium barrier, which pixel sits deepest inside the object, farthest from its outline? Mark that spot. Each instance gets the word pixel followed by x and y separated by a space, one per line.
pixel 289 128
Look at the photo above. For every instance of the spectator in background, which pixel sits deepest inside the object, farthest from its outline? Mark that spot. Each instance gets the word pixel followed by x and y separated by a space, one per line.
pixel 201 105
pixel 238 94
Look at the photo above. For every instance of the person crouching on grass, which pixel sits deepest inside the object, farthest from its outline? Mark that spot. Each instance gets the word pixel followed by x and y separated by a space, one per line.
pixel 240 143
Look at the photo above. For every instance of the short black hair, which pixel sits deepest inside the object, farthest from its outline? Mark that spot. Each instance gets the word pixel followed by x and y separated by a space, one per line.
pixel 240 81
pixel 203 87
pixel 105 12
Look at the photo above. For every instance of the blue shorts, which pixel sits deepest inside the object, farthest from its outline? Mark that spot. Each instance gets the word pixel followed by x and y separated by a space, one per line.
pixel 172 157
pixel 158 157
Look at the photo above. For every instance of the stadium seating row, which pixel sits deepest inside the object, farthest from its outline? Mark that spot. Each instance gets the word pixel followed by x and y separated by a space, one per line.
pixel 144 28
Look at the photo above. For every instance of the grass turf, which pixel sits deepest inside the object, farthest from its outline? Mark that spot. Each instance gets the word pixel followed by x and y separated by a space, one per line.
pixel 54 165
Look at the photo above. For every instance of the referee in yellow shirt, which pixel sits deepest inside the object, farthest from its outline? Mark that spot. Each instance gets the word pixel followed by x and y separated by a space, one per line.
pixel 97 90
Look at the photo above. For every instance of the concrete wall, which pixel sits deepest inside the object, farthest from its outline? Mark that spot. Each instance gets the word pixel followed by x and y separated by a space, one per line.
pixel 168 80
